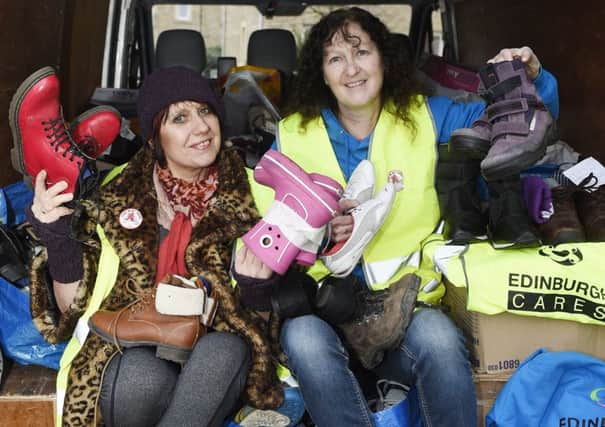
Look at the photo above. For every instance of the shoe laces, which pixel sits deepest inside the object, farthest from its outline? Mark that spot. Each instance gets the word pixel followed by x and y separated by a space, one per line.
pixel 390 393
pixel 60 139
pixel 143 297
pixel 88 146
pixel 589 183
pixel 142 300
pixel 595 197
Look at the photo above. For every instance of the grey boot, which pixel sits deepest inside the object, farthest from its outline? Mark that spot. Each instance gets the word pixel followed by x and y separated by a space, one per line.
pixel 522 127
pixel 381 319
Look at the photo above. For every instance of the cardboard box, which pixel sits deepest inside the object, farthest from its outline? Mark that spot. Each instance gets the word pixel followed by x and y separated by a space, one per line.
pixel 499 343
pixel 487 387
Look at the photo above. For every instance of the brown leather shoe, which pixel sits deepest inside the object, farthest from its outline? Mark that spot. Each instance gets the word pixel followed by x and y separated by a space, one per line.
pixel 591 210
pixel 140 324
pixel 564 226
pixel 381 320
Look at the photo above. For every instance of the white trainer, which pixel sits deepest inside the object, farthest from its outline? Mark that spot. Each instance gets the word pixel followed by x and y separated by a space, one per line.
pixel 368 217
pixel 361 183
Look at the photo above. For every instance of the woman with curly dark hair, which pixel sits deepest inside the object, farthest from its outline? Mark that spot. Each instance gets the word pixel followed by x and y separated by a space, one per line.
pixel 355 98
pixel 311 93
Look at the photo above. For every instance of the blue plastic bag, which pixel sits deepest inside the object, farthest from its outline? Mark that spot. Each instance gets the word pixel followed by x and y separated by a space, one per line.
pixel 14 198
pixel 563 389
pixel 404 414
pixel 19 338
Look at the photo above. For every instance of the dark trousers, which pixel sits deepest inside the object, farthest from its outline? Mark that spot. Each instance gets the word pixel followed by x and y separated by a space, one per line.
pixel 140 389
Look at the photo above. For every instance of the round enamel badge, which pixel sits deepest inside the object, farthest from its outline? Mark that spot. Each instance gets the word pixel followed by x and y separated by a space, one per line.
pixel 131 218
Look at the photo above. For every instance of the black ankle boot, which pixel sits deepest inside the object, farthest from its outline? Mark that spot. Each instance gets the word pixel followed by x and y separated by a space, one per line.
pixel 509 224
pixel 458 198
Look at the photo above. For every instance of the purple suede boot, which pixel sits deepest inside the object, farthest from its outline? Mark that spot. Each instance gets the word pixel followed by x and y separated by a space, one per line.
pixel 521 127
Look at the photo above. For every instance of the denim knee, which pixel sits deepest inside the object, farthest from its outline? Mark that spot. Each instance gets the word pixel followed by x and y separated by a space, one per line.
pixel 434 337
pixel 309 339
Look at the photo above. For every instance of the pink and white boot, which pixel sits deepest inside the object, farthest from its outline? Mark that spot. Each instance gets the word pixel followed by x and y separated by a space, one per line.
pixel 293 227
pixel 368 217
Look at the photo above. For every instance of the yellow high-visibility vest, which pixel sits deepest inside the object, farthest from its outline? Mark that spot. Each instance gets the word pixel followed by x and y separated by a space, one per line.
pixel 406 240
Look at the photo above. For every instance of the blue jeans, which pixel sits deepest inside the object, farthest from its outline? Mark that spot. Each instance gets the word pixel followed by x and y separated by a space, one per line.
pixel 432 357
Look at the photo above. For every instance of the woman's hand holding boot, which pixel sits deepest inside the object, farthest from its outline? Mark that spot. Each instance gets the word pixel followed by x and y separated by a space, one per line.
pixel 51 221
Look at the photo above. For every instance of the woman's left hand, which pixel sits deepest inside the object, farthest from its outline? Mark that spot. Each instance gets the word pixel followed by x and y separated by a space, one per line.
pixel 248 264
pixel 525 54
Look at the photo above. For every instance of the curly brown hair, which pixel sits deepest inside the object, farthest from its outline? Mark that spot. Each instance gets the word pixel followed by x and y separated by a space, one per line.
pixel 309 92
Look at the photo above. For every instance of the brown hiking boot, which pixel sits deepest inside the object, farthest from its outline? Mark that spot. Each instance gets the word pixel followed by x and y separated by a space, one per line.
pixel 564 226
pixel 140 324
pixel 381 319
pixel 591 210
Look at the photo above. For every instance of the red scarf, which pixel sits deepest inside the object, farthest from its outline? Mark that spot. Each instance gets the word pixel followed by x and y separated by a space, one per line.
pixel 189 201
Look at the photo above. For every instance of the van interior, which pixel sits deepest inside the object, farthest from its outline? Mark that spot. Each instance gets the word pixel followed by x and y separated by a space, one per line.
pixel 103 50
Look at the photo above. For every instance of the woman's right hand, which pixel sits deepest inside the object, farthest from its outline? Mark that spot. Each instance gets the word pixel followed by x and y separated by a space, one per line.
pixel 47 206
pixel 342 224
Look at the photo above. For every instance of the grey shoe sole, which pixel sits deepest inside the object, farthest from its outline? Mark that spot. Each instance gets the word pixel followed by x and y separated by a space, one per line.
pixel 492 171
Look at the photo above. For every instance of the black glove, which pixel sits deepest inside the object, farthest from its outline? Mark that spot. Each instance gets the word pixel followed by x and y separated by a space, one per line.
pixel 295 295
pixel 256 293
pixel 64 253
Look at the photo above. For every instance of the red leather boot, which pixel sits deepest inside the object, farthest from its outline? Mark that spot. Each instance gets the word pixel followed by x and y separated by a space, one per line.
pixel 95 130
pixel 40 137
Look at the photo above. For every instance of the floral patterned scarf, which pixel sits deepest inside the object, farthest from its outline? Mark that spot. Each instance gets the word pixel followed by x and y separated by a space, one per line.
pixel 191 198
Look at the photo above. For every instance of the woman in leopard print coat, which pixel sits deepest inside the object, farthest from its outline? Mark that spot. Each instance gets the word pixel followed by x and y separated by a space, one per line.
pixel 180 116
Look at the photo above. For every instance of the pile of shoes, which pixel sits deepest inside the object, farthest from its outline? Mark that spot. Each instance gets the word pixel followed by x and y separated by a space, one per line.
pixel 503 218
pixel 42 140
pixel 510 136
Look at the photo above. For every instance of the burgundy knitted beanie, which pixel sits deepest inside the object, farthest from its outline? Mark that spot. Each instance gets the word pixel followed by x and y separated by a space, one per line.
pixel 166 86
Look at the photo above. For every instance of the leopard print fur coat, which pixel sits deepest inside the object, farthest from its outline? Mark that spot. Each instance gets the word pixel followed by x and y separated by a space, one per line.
pixel 230 214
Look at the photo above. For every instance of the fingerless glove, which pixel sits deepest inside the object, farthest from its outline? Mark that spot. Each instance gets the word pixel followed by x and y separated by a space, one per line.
pixel 64 253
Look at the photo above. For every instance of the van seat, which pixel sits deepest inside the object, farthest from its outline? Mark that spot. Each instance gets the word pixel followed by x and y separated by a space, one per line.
pixel 181 47
pixel 272 48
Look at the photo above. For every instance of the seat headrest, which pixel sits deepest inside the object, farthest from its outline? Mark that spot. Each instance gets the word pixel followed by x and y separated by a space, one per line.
pixel 404 43
pixel 181 47
pixel 272 48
